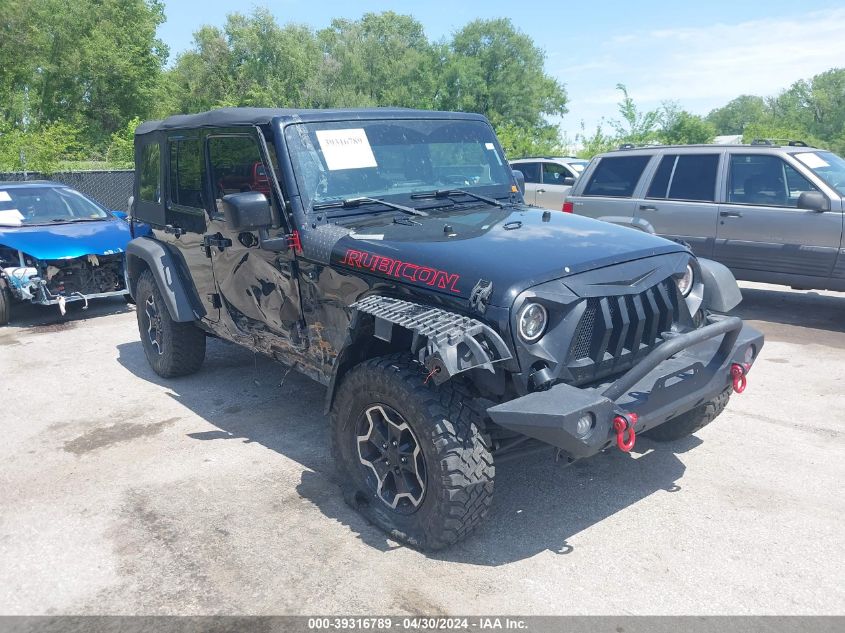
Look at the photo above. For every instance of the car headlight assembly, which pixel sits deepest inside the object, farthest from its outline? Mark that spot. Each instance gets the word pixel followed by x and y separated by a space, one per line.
pixel 532 322
pixel 686 281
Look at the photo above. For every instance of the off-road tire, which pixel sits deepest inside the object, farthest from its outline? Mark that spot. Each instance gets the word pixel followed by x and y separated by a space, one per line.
pixel 5 304
pixel 458 462
pixel 182 344
pixel 691 421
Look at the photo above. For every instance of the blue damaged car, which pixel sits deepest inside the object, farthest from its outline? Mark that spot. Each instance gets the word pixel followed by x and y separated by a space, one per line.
pixel 57 246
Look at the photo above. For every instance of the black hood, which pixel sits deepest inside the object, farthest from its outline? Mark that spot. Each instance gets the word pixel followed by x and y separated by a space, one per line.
pixel 516 248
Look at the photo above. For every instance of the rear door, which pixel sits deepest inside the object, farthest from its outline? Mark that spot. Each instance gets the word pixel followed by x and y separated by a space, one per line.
pixel 531 171
pixel 186 216
pixel 680 200
pixel 607 189
pixel 552 192
pixel 760 227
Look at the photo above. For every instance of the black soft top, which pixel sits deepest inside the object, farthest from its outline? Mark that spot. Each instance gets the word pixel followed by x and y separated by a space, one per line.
pixel 230 117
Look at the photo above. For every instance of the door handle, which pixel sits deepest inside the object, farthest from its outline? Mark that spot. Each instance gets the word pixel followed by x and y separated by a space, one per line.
pixel 540 191
pixel 648 207
pixel 730 214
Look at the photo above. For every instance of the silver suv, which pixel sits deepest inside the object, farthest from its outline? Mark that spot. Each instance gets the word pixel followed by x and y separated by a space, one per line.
pixel 770 213
pixel 549 179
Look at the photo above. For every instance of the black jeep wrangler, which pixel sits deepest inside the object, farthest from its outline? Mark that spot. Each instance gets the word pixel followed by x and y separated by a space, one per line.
pixel 389 255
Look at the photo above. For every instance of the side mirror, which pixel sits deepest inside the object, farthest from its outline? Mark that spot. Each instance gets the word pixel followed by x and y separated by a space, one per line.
pixel 813 201
pixel 520 180
pixel 247 211
pixel 569 181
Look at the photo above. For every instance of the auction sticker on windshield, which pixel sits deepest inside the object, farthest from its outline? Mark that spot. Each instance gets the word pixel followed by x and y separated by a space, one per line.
pixel 11 217
pixel 346 149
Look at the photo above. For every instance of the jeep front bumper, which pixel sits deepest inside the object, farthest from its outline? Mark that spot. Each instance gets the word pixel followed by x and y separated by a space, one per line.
pixel 680 374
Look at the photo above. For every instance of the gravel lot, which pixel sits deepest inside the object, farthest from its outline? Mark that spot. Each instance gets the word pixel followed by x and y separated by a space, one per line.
pixel 125 493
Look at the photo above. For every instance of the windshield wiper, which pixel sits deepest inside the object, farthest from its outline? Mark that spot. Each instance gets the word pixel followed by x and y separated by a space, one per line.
pixel 70 220
pixel 449 193
pixel 351 203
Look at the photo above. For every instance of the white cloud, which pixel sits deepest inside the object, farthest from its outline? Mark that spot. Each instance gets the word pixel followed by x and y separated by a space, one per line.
pixel 706 66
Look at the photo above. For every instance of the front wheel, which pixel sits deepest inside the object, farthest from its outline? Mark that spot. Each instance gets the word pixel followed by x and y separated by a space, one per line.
pixel 5 303
pixel 413 456
pixel 691 421
pixel 171 347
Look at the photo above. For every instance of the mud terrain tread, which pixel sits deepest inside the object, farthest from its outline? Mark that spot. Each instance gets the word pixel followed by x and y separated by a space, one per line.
pixel 5 304
pixel 184 348
pixel 465 463
pixel 691 421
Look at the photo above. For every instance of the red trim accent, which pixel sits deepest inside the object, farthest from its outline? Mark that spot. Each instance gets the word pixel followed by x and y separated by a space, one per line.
pixel 622 423
pixel 738 375
pixel 387 266
pixel 294 242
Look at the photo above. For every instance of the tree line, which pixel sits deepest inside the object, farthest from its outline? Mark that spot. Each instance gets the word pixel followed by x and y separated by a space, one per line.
pixel 75 80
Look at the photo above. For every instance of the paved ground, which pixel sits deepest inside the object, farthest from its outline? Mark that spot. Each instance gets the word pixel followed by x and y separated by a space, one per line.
pixel 123 493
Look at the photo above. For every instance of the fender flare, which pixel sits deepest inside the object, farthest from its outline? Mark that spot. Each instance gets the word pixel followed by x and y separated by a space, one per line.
pixel 163 267
pixel 632 223
pixel 721 292
pixel 437 335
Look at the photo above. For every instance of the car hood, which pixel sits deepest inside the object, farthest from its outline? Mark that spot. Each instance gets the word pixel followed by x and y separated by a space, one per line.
pixel 65 241
pixel 515 248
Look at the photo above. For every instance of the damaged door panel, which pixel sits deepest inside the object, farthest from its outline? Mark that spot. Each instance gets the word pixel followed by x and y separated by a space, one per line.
pixel 258 288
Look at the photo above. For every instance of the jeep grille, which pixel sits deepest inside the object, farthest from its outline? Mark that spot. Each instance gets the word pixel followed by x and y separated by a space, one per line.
pixel 614 332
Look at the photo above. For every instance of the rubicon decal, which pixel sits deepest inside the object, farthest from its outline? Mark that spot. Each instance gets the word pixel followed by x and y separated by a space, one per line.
pixel 401 270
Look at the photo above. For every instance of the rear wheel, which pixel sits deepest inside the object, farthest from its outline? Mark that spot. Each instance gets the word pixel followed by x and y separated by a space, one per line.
pixel 413 456
pixel 5 303
pixel 171 347
pixel 691 421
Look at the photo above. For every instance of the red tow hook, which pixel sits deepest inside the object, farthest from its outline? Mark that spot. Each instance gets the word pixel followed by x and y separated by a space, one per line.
pixel 622 423
pixel 738 374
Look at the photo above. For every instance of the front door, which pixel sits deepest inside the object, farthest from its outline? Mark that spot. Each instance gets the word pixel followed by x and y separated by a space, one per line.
pixel 760 227
pixel 531 171
pixel 552 193
pixel 257 288
pixel 186 218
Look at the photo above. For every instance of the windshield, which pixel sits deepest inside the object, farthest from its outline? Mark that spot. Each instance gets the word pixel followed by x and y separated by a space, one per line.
pixel 350 159
pixel 827 166
pixel 27 206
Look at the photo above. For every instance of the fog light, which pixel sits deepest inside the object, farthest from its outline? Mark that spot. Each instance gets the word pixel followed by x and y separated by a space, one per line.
pixel 749 354
pixel 585 425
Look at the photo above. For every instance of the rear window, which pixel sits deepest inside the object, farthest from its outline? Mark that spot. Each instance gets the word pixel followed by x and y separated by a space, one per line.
pixel 616 176
pixel 689 177
pixel 531 171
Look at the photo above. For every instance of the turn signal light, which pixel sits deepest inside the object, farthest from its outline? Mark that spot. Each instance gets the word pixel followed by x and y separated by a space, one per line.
pixel 568 207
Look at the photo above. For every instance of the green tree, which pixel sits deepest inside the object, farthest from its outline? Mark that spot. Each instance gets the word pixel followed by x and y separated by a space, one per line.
pixel 251 61
pixel 733 117
pixel 635 126
pixel 121 152
pixel 679 127
pixel 381 59
pixel 492 68
pixel 36 150
pixel 92 63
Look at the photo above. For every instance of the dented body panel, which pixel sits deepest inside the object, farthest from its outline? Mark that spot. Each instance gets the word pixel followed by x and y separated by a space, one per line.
pixel 331 282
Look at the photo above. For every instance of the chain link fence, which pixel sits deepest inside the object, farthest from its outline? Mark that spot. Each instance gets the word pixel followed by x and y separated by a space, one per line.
pixel 111 188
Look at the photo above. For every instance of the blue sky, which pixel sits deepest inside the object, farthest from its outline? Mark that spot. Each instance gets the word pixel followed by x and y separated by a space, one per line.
pixel 700 54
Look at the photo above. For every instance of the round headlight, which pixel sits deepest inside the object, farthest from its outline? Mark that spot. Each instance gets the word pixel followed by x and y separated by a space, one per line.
pixel 532 322
pixel 686 281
